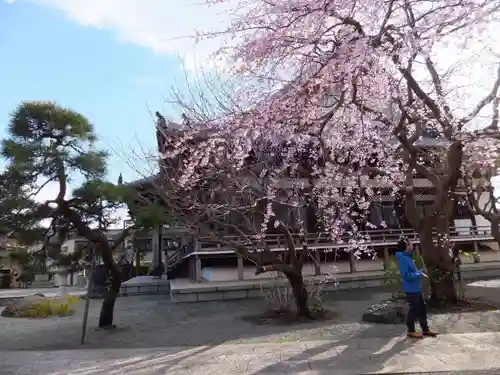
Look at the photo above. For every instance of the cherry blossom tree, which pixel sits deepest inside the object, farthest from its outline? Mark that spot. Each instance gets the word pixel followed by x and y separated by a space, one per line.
pixel 232 206
pixel 229 172
pixel 350 87
pixel 339 73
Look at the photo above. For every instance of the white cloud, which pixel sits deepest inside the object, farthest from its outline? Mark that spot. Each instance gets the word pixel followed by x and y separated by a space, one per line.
pixel 166 26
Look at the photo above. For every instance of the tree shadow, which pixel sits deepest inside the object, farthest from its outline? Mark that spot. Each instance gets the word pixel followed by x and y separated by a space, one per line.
pixel 91 362
pixel 156 336
pixel 151 321
pixel 154 322
pixel 348 355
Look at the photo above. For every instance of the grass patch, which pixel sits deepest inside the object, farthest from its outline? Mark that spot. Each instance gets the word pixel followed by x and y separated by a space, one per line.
pixel 45 308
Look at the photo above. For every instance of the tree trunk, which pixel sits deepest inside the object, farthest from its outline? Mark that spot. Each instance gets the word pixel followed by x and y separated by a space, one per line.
pixel 108 304
pixel 103 248
pixel 443 291
pixel 300 294
pixel 440 268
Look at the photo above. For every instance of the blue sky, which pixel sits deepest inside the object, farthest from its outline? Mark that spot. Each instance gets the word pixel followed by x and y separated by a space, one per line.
pixel 47 55
pixel 115 60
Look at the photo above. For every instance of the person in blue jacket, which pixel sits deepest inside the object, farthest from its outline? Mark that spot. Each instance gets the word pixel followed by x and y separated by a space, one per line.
pixel 412 287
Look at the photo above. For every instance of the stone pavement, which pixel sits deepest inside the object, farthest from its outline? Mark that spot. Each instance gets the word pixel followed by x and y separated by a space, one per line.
pixel 477 353
pixel 6 294
pixel 156 336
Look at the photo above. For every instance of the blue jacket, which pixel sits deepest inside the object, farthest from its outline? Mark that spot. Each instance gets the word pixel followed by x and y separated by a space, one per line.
pixel 412 277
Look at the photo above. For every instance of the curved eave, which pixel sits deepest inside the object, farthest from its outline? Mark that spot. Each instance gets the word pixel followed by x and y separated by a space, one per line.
pixel 142 183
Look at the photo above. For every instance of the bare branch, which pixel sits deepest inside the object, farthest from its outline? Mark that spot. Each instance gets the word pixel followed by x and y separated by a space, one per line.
pixel 484 102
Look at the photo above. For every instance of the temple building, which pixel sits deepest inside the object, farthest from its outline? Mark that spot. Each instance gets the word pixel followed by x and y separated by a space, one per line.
pixel 193 258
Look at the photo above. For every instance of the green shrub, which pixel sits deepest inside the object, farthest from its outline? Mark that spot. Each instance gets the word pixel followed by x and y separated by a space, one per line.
pixel 51 307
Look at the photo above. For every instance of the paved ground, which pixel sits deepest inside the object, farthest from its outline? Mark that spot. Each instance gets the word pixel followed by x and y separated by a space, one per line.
pixel 156 336
pixel 7 294
pixel 475 353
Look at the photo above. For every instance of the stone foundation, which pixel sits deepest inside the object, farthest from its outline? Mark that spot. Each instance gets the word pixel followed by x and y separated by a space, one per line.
pixel 214 291
pixel 144 285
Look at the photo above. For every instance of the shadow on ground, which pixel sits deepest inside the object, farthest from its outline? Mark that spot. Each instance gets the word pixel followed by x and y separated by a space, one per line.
pixel 154 322
pixel 349 356
pixel 156 336
pixel 321 359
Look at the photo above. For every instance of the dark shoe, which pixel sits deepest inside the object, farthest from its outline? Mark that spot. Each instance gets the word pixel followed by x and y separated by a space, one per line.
pixel 430 333
pixel 415 335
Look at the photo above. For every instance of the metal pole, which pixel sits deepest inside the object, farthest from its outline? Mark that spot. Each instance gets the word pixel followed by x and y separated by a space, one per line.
pixel 90 283
pixel 87 297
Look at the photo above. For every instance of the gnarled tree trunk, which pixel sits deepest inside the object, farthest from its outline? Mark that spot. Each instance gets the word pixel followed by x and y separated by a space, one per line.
pixel 300 294
pixel 290 264
pixel 105 250
pixel 440 264
pixel 444 177
pixel 108 304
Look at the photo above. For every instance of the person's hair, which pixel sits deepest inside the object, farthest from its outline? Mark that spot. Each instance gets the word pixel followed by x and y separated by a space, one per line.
pixel 402 242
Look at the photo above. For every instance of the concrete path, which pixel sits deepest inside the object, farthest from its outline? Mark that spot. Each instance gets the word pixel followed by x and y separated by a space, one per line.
pixel 477 353
pixel 48 292
pixel 156 336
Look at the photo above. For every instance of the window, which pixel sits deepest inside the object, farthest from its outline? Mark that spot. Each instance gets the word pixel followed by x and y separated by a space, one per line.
pixel 375 216
pixel 389 215
pixel 169 243
pixel 383 213
pixel 144 244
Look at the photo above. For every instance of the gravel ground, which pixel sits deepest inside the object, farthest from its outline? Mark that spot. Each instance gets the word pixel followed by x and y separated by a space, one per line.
pixel 153 321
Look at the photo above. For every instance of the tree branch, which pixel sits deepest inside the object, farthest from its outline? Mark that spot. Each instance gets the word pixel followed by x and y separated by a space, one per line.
pixel 484 102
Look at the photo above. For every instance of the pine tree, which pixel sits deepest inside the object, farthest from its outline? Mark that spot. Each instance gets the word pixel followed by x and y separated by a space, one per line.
pixel 48 145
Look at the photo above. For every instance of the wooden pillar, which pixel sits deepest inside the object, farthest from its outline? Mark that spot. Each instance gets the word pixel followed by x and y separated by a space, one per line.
pixel 476 256
pixel 197 269
pixel 317 264
pixel 160 245
pixel 137 261
pixel 352 261
pixel 155 248
pixel 191 267
pixel 386 257
pixel 240 267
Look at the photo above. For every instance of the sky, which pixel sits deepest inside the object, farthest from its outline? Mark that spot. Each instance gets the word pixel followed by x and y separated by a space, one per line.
pixel 115 61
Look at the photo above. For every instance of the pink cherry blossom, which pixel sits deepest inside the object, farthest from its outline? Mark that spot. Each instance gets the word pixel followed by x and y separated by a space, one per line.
pixel 338 85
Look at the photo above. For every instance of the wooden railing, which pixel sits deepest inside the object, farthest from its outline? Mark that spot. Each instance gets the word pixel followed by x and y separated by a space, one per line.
pixel 323 241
